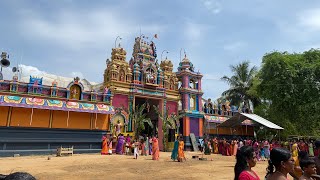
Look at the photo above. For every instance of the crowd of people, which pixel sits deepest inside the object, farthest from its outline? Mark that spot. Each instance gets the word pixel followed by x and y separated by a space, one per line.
pixel 143 146
pixel 128 145
pixel 299 159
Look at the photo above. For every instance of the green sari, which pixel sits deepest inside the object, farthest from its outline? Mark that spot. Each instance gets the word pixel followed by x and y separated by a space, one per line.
pixel 174 154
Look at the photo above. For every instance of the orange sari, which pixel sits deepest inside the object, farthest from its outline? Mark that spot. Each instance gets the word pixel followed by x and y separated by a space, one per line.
pixel 180 150
pixel 155 149
pixel 104 150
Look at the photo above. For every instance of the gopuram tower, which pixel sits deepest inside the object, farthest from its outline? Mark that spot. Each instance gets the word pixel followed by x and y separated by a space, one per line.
pixel 191 97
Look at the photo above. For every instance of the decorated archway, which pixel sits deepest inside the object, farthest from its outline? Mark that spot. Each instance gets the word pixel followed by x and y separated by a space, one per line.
pixel 118 123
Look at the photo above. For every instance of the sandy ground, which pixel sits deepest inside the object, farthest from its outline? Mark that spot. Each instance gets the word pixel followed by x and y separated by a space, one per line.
pixel 95 166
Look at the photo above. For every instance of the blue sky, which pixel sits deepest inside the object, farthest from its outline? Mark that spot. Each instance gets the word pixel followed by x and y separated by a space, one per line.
pixel 75 37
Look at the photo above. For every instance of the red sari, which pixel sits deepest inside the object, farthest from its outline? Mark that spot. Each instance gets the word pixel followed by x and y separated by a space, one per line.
pixel 155 149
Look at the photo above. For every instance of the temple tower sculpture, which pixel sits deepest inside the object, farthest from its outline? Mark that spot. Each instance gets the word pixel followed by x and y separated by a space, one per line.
pixel 191 97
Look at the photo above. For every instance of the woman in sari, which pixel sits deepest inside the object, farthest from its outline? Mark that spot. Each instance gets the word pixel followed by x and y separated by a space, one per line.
pixel 119 148
pixel 235 147
pixel 147 146
pixel 174 153
pixel 180 150
pixel 311 152
pixel 206 146
pixel 104 149
pixel 143 148
pixel 150 145
pixel 228 153
pixel 215 146
pixel 266 147
pixel 256 149
pixel 155 148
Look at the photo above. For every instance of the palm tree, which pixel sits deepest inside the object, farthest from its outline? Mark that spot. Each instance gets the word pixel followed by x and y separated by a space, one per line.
pixel 138 117
pixel 240 83
pixel 168 122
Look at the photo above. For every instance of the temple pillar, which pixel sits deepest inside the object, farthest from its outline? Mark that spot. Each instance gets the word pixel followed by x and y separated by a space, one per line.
pixel 185 101
pixel 9 116
pixel 160 132
pixel 200 127
pixel 186 126
pixel 199 103
pixel 199 84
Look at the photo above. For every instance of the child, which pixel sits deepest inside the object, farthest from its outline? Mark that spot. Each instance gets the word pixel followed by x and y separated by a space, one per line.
pixel 135 145
pixel 262 154
pixel 309 168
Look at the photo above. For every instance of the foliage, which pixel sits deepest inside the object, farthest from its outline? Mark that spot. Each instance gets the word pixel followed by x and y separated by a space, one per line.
pixel 138 117
pixel 168 122
pixel 241 83
pixel 290 83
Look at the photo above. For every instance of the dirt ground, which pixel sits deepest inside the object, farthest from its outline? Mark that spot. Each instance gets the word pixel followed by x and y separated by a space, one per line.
pixel 96 166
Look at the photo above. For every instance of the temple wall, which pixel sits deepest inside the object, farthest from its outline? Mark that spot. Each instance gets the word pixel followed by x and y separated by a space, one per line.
pixel 3 115
pixel 59 119
pixel 79 120
pixel 40 118
pixel 20 117
pixel 194 126
pixel 173 107
pixel 102 121
pixel 120 100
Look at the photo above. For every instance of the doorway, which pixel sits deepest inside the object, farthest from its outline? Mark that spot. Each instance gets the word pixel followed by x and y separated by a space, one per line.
pixel 151 113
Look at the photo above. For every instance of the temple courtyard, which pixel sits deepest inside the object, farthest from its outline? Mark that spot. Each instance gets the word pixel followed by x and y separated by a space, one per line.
pixel 96 166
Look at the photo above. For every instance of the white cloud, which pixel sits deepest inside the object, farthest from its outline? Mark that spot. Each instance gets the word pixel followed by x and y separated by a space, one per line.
pixel 78 29
pixel 25 71
pixel 310 19
pixel 213 6
pixel 76 74
pixel 195 32
pixel 211 77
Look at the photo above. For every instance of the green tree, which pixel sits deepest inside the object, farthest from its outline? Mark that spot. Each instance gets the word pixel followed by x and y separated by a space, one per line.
pixel 290 83
pixel 168 122
pixel 240 84
pixel 139 119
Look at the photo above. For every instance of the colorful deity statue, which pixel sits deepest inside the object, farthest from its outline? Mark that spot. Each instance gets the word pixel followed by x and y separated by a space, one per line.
pixel 118 128
pixel 106 90
pixel 54 88
pixel 150 77
pixel 14 83
pixel 74 93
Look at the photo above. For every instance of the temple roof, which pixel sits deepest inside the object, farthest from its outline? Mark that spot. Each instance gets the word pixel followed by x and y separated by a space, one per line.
pixel 62 81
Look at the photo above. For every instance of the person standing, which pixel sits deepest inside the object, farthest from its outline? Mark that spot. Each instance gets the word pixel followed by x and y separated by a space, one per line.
pixel 119 148
pixel 311 152
pixel 110 146
pixel 147 146
pixel 280 165
pixel 246 159
pixel 266 147
pixel 181 156
pixel 155 148
pixel 104 149
pixel 136 149
pixel 174 153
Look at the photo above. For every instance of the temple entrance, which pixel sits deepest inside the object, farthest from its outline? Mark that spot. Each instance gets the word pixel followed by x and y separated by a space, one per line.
pixel 149 110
